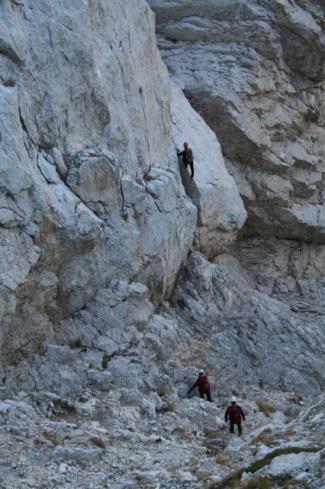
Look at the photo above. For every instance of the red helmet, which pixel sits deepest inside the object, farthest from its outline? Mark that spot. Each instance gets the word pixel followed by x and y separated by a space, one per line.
pixel 185 145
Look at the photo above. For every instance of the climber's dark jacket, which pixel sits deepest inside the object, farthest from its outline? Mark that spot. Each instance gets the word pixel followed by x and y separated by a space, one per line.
pixel 202 383
pixel 187 156
pixel 235 413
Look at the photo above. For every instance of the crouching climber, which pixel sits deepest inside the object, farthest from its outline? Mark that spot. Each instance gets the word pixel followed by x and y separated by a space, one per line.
pixel 202 382
pixel 235 414
pixel 187 158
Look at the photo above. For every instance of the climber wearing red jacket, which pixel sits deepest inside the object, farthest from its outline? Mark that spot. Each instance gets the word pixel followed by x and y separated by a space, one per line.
pixel 202 382
pixel 236 414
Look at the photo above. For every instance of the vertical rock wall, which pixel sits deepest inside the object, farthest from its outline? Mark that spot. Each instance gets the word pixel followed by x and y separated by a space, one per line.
pixel 90 184
pixel 255 71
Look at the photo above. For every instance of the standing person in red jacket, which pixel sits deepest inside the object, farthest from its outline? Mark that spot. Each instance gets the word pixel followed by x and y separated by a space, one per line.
pixel 202 382
pixel 236 414
pixel 187 157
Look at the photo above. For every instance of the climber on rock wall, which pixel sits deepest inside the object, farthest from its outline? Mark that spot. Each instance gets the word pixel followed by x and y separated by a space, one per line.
pixel 202 382
pixel 187 157
pixel 235 414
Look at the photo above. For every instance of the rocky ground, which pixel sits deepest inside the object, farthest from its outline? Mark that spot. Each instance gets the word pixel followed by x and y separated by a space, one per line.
pixel 100 442
pixel 107 407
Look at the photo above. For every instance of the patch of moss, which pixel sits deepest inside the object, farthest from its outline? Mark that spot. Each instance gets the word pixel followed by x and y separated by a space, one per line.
pixel 105 361
pixel 147 177
pixel 143 482
pixel 281 480
pixel 294 483
pixel 108 357
pixel 75 343
pixel 259 464
pixel 200 474
pixel 162 391
pixel 232 481
pixel 169 407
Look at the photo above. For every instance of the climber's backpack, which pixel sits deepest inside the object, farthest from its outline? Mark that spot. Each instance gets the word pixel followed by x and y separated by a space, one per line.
pixel 188 156
pixel 236 414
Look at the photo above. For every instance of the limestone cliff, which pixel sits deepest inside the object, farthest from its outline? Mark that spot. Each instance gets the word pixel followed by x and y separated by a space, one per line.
pixel 255 71
pixel 90 183
pixel 120 276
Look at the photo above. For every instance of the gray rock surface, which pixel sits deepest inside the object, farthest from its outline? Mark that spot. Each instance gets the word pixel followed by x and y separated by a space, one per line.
pixel 60 111
pixel 262 328
pixel 255 71
pixel 220 209
pixel 90 182
pixel 109 306
pixel 48 442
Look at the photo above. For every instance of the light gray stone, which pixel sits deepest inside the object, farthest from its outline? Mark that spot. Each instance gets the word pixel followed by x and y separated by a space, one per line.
pixel 47 170
pixel 80 111
pixel 108 309
pixel 259 86
pixel 256 333
pixel 295 464
pixel 77 454
pixel 221 211
pixel 59 162
pixel 103 380
pixel 11 410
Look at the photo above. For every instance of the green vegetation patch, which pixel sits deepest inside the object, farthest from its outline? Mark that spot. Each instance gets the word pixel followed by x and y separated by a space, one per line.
pixel 232 481
pixel 259 464
pixel 75 343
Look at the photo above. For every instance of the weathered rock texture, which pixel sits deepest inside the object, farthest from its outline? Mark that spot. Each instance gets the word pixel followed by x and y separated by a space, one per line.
pixel 214 192
pixel 90 183
pixel 48 442
pixel 255 71
pixel 262 328
pixel 108 303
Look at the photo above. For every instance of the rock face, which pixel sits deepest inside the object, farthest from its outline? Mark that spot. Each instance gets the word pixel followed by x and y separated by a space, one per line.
pixel 90 182
pixel 263 328
pixel 120 277
pixel 221 212
pixel 255 71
